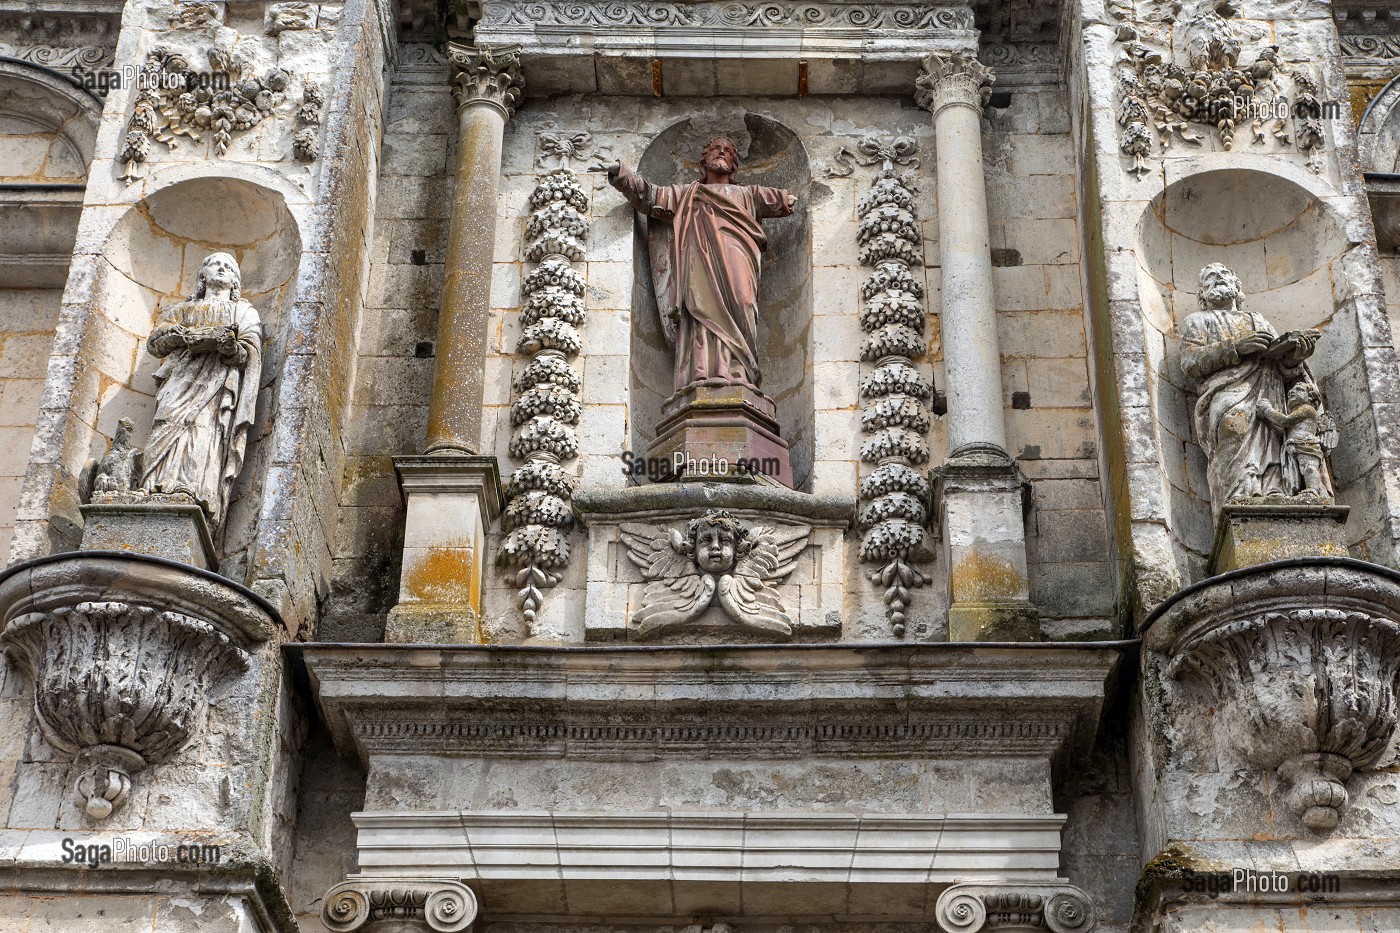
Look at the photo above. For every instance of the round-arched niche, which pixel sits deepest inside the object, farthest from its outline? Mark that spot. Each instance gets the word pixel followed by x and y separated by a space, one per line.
pixel 150 263
pixel 769 154
pixel 1286 245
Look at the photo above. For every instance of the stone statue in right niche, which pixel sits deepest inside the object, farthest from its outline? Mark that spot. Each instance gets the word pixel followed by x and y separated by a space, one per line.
pixel 1259 416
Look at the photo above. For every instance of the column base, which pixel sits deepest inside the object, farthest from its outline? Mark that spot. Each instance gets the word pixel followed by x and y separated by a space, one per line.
pixel 721 433
pixel 451 501
pixel 1251 533
pixel 981 501
pixel 170 526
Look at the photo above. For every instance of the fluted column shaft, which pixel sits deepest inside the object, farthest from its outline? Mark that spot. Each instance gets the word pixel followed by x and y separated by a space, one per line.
pixel 488 86
pixel 953 88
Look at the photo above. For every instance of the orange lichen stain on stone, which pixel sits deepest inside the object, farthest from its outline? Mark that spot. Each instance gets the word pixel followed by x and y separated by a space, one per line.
pixel 445 574
pixel 981 577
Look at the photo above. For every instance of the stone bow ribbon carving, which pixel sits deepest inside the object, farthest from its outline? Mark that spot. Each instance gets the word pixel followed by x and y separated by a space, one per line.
pixel 717 559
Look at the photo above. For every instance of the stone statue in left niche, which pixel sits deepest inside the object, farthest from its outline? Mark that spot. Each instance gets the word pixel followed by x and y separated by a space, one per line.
pixel 210 348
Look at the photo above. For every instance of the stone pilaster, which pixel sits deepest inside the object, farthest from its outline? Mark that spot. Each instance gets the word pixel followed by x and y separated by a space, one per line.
pixel 981 490
pixel 453 494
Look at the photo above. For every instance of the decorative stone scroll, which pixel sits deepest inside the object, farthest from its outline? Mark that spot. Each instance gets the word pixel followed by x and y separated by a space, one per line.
pixel 441 905
pixel 1027 906
pixel 895 393
pixel 124 654
pixel 547 405
pixel 1215 88
pixel 175 99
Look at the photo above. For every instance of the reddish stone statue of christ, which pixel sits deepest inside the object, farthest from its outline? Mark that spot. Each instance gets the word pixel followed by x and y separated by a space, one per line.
pixel 706 262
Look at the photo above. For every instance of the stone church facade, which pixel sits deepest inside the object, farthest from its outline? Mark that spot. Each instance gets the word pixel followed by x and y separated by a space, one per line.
pixel 676 465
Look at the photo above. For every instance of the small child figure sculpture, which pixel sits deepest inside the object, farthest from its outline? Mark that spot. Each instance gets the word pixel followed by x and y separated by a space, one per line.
pixel 1308 433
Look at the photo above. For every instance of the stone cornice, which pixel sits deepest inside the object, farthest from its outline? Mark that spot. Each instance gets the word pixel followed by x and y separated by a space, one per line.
pixel 680 702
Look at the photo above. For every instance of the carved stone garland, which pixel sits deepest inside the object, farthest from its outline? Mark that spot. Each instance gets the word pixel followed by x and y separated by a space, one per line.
pixel 894 495
pixel 547 405
pixel 1214 89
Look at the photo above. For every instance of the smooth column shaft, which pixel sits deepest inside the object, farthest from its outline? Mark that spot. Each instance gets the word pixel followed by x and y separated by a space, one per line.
pixel 454 410
pixel 971 353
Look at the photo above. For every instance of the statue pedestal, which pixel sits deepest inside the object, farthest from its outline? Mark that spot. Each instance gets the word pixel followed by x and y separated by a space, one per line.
pixel 1248 533
pixel 721 432
pixel 451 501
pixel 172 527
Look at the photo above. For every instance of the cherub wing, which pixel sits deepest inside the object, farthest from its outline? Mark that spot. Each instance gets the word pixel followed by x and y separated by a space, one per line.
pixel 748 595
pixel 1327 432
pixel 677 592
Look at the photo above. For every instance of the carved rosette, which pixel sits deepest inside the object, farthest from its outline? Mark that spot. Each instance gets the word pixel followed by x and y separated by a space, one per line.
pixel 895 393
pixel 441 905
pixel 1300 668
pixel 949 78
pixel 547 405
pixel 123 654
pixel 487 75
pixel 1028 906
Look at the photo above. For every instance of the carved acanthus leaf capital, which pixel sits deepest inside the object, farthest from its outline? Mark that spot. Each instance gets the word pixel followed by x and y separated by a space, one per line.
pixel 1034 905
pixel 487 74
pixel 953 78
pixel 438 904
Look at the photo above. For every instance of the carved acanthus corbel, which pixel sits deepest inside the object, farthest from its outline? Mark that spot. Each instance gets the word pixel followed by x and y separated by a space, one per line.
pixel 486 75
pixel 1026 906
pixel 437 904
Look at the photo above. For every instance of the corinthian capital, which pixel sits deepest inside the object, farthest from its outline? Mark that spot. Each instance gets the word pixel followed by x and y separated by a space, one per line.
pixel 440 905
pixel 952 78
pixel 486 74
pixel 1015 906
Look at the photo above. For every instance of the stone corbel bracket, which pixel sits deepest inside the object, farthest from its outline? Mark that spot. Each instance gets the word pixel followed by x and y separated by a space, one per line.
pixel 442 905
pixel 1054 906
pixel 1299 663
pixel 125 653
pixel 894 494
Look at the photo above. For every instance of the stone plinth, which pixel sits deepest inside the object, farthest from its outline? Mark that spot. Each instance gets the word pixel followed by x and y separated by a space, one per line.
pixel 720 432
pixel 812 595
pixel 161 526
pixel 1250 534
pixel 451 501
pixel 980 496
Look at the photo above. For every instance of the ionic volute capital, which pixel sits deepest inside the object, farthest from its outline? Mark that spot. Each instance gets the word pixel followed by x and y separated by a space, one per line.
pixel 947 78
pixel 437 904
pixel 1027 906
pixel 487 75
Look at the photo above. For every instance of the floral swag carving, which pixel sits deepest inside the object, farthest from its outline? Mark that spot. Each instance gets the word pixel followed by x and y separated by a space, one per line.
pixel 547 404
pixel 895 496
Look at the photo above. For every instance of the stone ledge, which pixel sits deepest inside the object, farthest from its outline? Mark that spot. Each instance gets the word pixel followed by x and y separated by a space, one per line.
pixel 785 863
pixel 765 702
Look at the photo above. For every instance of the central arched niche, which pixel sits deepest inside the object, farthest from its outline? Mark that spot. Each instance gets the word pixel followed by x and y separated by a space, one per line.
pixel 1286 245
pixel 152 259
pixel 769 154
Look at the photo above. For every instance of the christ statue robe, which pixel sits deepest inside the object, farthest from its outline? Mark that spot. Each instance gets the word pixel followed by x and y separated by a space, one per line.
pixel 706 264
pixel 204 405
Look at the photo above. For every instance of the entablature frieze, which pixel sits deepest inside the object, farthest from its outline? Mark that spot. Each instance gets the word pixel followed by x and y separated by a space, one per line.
pixel 768 702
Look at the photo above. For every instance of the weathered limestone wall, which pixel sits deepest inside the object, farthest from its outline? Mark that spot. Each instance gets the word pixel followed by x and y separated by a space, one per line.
pixel 1045 379
pixel 27 319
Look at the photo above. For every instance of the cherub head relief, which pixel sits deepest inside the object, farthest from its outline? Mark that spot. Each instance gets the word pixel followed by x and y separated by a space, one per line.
pixel 716 560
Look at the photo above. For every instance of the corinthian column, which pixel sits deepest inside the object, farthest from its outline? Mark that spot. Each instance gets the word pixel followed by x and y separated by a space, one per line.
pixel 981 493
pixel 453 492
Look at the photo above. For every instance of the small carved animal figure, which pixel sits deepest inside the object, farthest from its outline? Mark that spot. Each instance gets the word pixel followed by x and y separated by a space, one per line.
pixel 119 469
pixel 716 559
